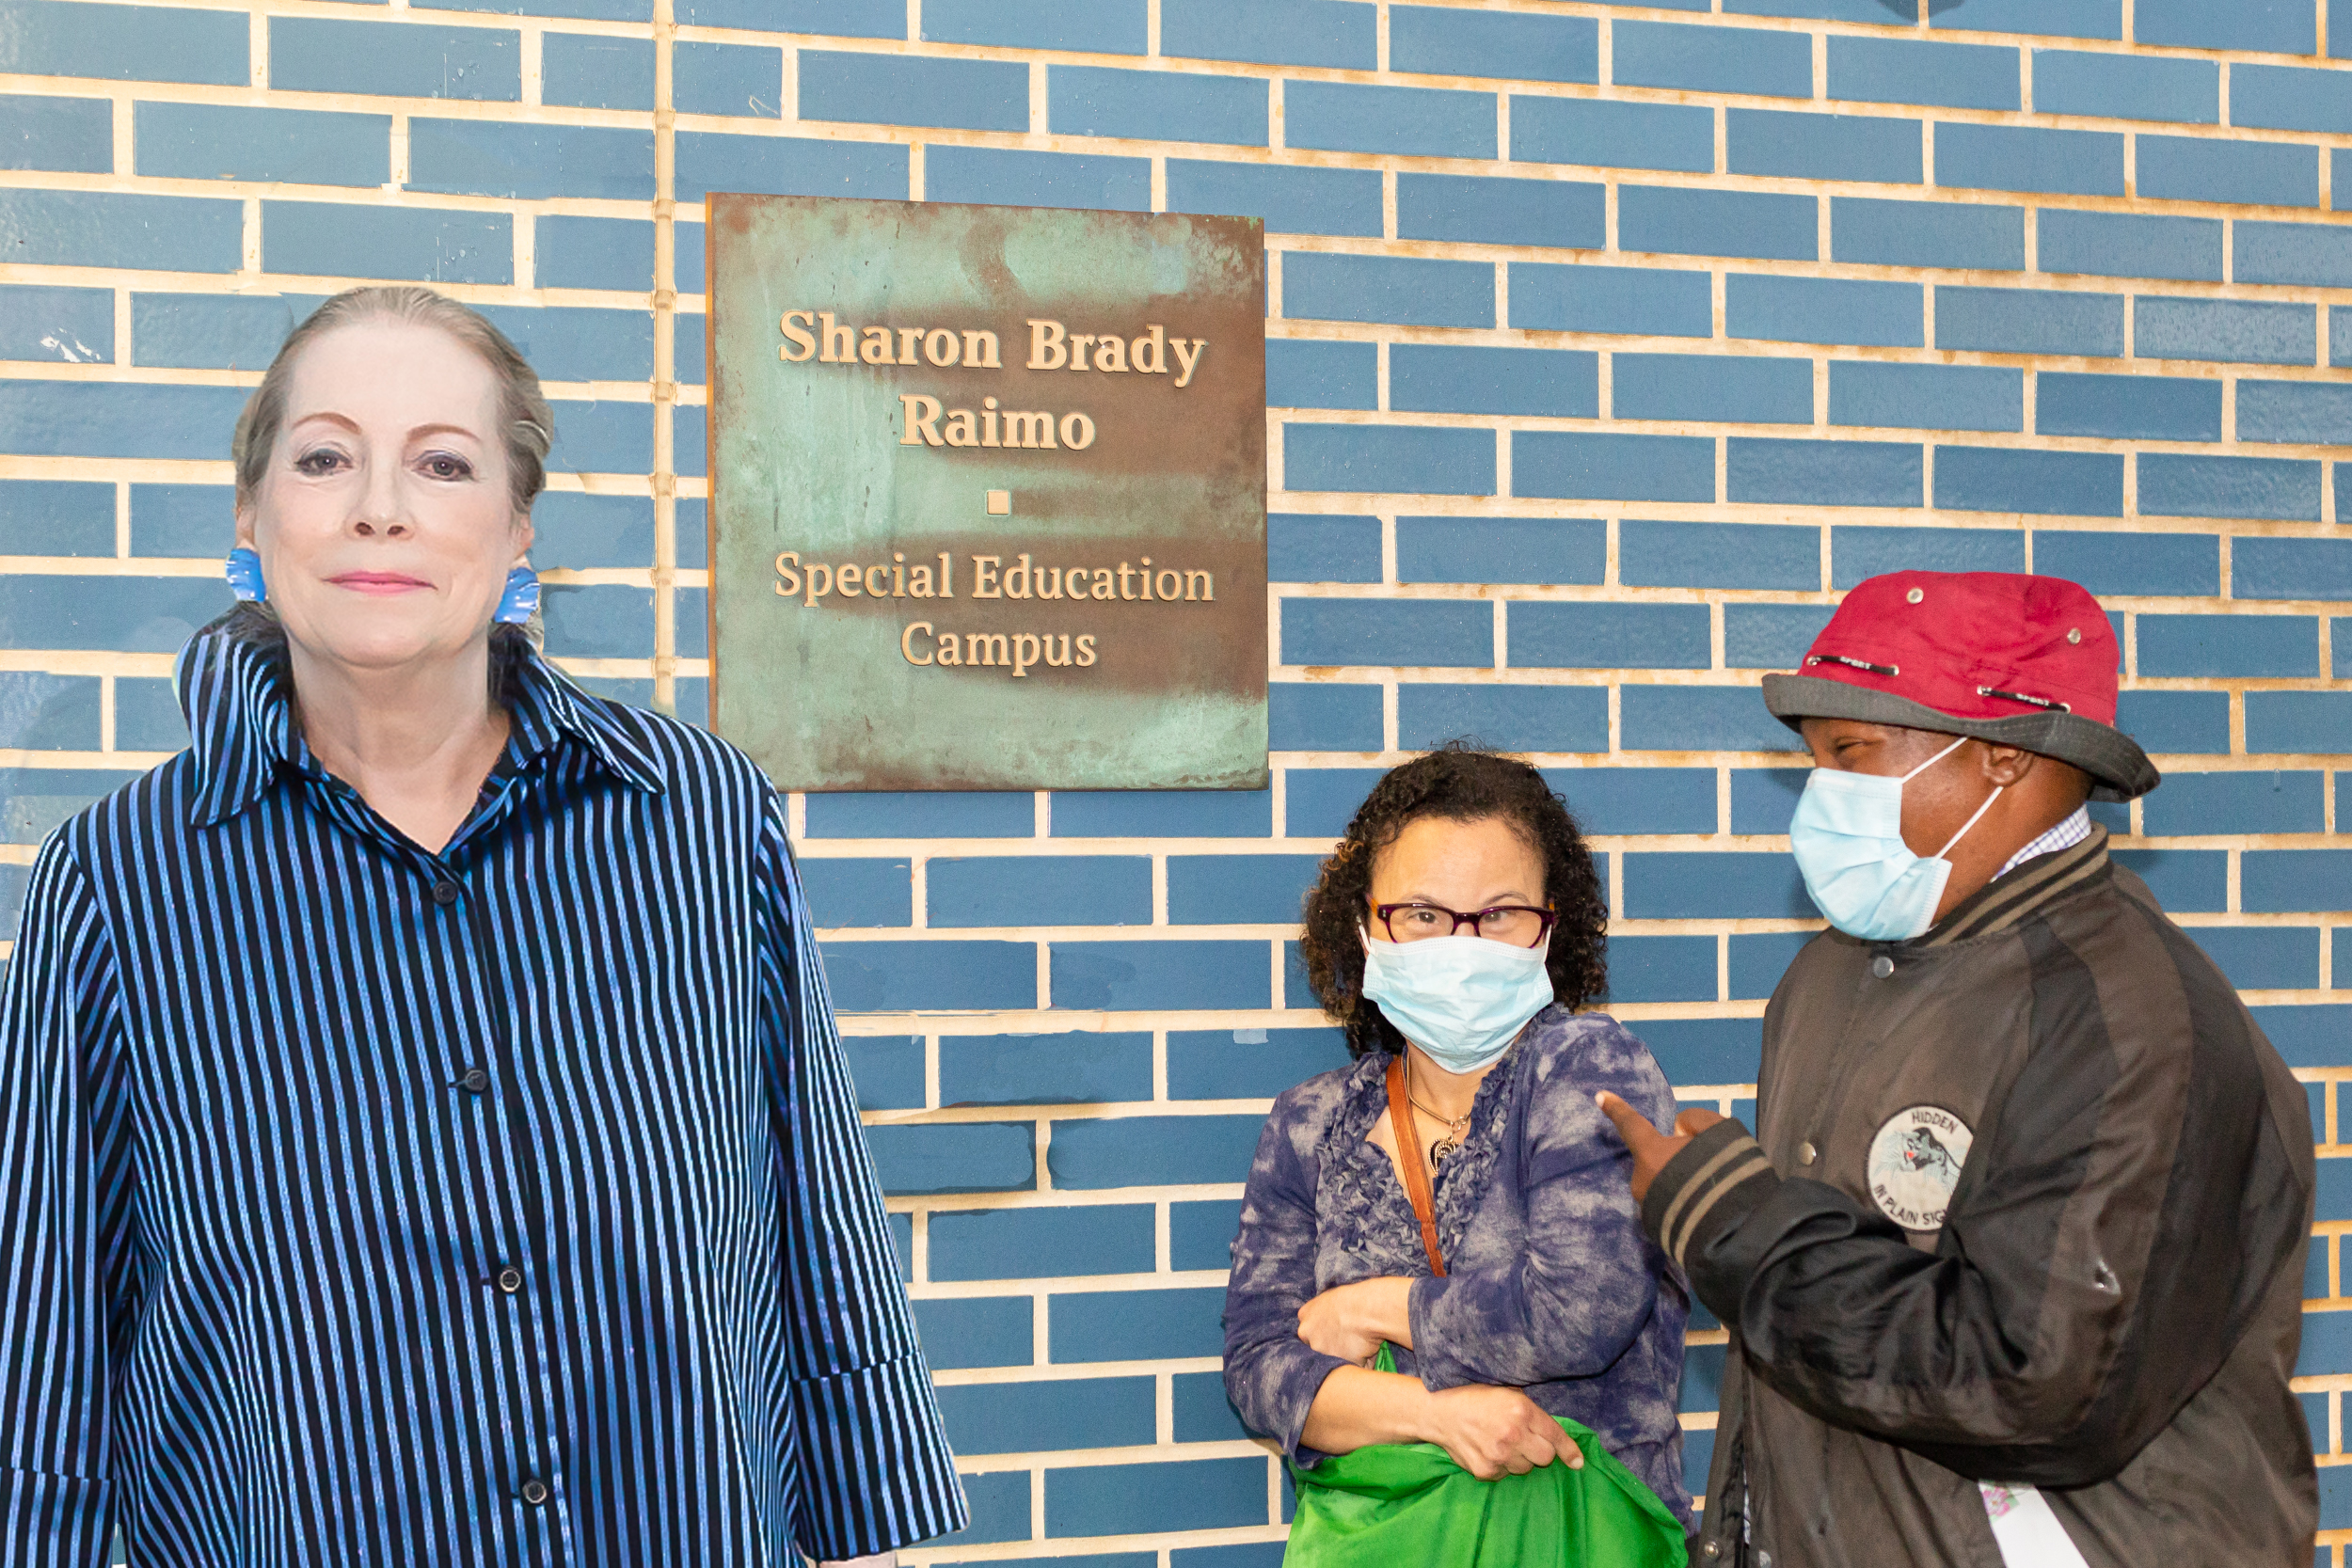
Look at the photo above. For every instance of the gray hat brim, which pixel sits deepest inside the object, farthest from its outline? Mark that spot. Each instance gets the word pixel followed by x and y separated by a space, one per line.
pixel 2120 770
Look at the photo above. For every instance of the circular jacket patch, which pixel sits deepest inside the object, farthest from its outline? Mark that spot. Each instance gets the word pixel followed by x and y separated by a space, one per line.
pixel 1915 1164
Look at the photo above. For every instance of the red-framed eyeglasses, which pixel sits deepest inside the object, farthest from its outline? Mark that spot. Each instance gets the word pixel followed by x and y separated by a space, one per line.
pixel 1517 924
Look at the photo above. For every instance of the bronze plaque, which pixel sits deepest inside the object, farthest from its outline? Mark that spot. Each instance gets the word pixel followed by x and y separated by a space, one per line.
pixel 987 495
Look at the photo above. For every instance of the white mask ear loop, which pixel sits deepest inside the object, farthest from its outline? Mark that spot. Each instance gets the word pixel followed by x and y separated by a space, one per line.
pixel 1934 760
pixel 1972 821
pixel 1980 810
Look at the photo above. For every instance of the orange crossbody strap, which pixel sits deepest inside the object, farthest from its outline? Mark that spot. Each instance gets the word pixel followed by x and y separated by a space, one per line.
pixel 1407 1134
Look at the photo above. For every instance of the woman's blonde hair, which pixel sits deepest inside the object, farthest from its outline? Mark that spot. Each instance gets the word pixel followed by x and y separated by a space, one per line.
pixel 526 421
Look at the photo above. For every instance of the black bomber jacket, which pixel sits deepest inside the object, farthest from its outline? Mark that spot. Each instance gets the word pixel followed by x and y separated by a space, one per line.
pixel 2027 1203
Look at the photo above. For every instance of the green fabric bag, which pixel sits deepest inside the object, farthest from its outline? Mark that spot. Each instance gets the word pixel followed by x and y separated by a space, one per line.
pixel 1410 1505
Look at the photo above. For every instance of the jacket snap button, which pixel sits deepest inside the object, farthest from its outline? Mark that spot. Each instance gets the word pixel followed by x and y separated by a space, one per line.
pixel 1882 966
pixel 510 1280
pixel 1806 1154
pixel 535 1491
pixel 1711 1549
pixel 445 893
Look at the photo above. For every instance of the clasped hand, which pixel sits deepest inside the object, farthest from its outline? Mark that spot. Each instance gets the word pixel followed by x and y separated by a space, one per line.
pixel 1350 1320
pixel 1489 1432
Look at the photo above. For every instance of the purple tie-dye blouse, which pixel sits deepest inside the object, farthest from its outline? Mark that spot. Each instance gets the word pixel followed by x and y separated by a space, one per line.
pixel 1552 1286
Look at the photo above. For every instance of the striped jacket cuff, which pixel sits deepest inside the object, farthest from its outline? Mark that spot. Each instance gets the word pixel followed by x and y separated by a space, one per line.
pixel 51 1521
pixel 874 1459
pixel 1707 1189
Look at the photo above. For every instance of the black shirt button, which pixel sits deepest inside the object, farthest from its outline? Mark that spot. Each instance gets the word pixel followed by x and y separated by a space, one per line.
pixel 535 1491
pixel 445 893
pixel 510 1279
pixel 473 1080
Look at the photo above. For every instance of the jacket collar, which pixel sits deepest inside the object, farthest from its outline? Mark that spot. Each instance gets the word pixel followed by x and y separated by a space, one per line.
pixel 2008 900
pixel 238 697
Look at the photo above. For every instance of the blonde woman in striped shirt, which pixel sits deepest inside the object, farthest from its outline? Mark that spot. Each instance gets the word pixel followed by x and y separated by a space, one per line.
pixel 423 1137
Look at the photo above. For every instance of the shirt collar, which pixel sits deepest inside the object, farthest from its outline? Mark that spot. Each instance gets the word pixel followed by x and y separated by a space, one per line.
pixel 2071 831
pixel 546 708
pixel 2005 902
pixel 239 703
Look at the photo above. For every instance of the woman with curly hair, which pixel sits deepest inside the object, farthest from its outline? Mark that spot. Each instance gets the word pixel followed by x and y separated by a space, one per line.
pixel 1455 1194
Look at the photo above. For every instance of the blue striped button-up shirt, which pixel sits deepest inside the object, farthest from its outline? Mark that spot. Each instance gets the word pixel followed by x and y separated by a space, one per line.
pixel 507 1205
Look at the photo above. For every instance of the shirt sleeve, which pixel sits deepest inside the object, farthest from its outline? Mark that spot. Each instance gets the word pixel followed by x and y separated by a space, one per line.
pixel 72 1292
pixel 875 1467
pixel 1569 1301
pixel 1271 1374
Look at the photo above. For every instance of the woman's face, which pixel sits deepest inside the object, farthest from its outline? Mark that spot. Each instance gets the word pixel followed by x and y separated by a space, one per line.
pixel 384 519
pixel 1462 866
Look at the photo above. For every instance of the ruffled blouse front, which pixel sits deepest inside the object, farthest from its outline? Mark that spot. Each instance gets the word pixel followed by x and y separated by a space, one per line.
pixel 1365 1211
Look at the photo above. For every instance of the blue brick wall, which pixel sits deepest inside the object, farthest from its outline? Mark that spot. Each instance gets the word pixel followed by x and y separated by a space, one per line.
pixel 1927 233
pixel 1343 118
pixel 1714 60
pixel 1619 135
pixel 1822 311
pixel 126 42
pixel 2022 158
pixel 1864 68
pixel 1608 346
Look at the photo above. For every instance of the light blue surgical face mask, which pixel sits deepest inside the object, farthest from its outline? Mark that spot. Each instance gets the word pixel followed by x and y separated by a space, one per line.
pixel 1847 838
pixel 1461 999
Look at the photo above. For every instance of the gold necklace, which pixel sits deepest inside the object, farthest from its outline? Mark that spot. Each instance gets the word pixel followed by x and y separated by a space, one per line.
pixel 1452 1143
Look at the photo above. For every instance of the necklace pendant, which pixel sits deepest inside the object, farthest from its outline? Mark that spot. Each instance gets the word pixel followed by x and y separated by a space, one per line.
pixel 1442 1151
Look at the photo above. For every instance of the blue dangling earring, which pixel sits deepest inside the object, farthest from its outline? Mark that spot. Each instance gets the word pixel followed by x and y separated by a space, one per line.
pixel 244 572
pixel 521 599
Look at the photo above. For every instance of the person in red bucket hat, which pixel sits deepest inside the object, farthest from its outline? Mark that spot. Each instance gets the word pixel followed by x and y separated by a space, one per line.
pixel 2014 1264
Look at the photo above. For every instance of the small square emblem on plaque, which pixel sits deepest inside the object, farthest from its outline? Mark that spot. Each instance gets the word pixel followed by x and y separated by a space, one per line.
pixel 1000 503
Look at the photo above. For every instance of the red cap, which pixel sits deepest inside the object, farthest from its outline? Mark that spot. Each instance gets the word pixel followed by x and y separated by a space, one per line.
pixel 2023 660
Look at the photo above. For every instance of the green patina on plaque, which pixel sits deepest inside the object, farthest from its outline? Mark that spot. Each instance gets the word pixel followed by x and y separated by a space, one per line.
pixel 987 495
